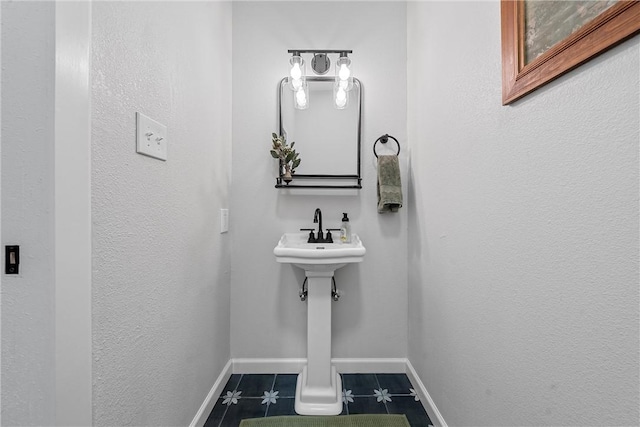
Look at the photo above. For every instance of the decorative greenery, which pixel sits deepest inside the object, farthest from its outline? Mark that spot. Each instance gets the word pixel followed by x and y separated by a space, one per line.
pixel 285 153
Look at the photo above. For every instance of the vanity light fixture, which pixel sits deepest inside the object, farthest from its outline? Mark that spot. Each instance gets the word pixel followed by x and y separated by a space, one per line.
pixel 320 65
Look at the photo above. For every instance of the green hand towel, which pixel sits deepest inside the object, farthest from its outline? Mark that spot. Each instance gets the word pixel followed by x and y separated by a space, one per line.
pixel 389 185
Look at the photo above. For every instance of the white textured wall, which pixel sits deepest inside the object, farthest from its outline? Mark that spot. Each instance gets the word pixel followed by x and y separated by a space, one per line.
pixel 161 268
pixel 268 319
pixel 28 33
pixel 523 279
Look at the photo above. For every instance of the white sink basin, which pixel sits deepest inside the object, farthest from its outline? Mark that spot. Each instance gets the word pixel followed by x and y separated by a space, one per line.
pixel 294 249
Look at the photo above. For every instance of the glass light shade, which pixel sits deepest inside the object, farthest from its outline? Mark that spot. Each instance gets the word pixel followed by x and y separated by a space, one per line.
pixel 344 72
pixel 340 96
pixel 344 75
pixel 296 84
pixel 301 97
pixel 297 73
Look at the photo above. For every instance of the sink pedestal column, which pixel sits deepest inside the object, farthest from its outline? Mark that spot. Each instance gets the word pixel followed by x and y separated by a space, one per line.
pixel 319 387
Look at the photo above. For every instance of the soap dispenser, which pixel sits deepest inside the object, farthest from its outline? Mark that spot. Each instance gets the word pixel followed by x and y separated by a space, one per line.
pixel 345 229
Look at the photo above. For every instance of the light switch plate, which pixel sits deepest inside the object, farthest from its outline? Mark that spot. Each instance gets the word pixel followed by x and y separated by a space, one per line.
pixel 151 137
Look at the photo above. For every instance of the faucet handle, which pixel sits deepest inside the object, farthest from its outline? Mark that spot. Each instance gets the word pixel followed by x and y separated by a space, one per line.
pixel 312 238
pixel 329 237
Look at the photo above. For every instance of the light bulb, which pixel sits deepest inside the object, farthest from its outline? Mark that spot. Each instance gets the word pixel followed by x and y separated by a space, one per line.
pixel 296 83
pixel 344 72
pixel 343 84
pixel 341 98
pixel 296 72
pixel 301 97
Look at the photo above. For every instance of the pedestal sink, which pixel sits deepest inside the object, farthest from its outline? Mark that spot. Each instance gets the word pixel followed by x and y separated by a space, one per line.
pixel 319 388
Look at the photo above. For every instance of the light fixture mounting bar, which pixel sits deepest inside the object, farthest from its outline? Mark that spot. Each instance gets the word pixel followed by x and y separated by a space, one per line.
pixel 298 51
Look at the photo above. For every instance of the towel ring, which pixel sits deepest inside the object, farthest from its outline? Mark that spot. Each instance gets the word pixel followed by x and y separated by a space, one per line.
pixel 384 139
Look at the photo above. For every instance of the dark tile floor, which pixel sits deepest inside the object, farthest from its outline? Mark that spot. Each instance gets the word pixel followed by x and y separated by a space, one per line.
pixel 264 395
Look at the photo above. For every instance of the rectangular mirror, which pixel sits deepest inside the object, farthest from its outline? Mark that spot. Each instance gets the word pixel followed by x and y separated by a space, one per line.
pixel 327 139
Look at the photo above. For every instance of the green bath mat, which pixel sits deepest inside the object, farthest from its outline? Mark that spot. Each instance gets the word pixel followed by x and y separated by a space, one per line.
pixel 365 420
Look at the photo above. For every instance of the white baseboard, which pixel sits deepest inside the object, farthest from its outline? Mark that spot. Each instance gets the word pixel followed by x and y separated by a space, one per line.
pixel 343 365
pixel 370 365
pixel 268 366
pixel 425 398
pixel 212 397
pixel 294 366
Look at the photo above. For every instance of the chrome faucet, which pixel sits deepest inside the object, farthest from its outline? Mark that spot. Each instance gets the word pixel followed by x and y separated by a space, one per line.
pixel 317 219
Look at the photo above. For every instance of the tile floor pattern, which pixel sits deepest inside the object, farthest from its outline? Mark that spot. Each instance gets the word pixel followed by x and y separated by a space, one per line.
pixel 264 395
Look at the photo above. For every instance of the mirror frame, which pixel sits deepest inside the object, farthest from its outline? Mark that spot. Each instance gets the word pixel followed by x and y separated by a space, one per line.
pixel 355 178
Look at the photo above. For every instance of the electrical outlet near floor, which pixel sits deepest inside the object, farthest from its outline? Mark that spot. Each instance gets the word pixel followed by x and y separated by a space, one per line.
pixel 151 137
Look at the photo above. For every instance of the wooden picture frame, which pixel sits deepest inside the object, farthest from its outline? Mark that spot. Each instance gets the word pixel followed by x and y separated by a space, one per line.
pixel 616 24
